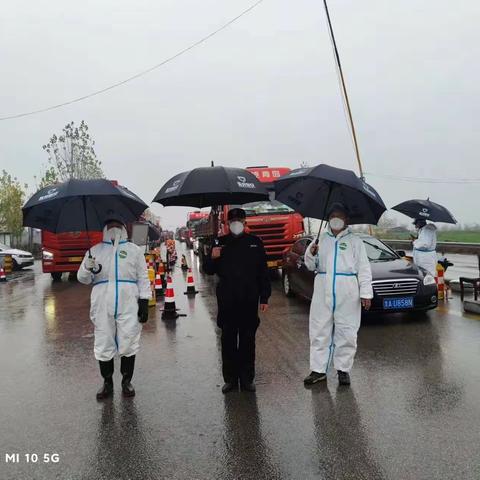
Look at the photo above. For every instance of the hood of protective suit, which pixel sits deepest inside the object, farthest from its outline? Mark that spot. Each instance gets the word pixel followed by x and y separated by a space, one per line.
pixel 341 234
pixel 430 226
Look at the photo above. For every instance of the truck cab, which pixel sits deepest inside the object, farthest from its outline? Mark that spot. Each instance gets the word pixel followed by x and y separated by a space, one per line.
pixel 275 223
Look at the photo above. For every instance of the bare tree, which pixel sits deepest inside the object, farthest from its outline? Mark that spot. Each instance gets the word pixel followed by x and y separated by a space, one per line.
pixel 71 155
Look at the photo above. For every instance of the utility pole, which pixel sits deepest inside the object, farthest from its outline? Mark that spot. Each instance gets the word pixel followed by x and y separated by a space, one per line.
pixel 345 96
pixel 344 91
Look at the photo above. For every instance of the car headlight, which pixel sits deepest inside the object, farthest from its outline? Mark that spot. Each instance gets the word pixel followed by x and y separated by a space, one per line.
pixel 428 280
pixel 47 255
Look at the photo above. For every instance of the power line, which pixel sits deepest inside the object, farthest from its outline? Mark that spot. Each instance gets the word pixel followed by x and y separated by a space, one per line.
pixel 137 75
pixel 426 179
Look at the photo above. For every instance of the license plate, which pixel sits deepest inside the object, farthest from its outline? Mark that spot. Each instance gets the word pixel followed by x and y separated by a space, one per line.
pixel 397 303
pixel 272 264
pixel 75 259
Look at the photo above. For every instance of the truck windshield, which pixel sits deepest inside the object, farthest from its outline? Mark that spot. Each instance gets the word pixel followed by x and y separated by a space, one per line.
pixel 273 207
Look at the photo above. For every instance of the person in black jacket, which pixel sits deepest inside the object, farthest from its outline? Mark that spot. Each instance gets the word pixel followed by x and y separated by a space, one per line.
pixel 240 262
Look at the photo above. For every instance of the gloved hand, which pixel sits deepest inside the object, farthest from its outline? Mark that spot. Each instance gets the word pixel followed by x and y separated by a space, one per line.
pixel 142 310
pixel 91 264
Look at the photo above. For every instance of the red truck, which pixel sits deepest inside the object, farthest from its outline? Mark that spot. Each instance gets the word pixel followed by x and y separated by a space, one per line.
pixel 276 224
pixel 63 252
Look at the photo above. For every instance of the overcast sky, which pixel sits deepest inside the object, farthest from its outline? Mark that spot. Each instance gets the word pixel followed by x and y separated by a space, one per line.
pixel 262 92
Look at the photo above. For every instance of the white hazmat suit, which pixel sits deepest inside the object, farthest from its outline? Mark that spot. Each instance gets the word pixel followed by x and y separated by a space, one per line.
pixel 343 277
pixel 424 249
pixel 115 293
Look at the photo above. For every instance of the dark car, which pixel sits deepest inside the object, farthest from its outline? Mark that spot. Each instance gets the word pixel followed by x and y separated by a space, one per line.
pixel 398 285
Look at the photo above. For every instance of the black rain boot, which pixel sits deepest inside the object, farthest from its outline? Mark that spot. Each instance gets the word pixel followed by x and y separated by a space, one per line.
pixel 343 378
pixel 127 365
pixel 106 369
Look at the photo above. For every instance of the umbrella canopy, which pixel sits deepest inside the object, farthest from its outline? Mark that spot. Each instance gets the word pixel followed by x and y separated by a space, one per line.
pixel 425 209
pixel 310 191
pixel 81 205
pixel 209 186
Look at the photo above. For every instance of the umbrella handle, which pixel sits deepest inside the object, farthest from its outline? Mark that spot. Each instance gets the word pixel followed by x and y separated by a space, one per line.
pixel 98 270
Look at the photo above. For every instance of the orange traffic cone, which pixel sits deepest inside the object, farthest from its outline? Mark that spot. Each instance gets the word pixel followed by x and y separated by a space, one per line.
pixel 170 309
pixel 158 285
pixel 3 277
pixel 190 284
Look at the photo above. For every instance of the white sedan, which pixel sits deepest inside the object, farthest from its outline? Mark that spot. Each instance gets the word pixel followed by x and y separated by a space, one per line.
pixel 21 258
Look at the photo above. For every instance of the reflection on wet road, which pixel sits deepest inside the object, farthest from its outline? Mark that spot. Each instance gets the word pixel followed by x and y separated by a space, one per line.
pixel 412 412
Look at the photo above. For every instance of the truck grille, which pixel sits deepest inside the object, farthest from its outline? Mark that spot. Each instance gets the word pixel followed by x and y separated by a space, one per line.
pixel 384 288
pixel 269 231
pixel 273 237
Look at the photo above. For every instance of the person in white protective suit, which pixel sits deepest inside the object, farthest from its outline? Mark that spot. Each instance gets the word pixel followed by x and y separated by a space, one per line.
pixel 424 246
pixel 118 274
pixel 343 284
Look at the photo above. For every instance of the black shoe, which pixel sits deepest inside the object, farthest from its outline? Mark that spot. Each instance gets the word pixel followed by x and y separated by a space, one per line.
pixel 343 378
pixel 248 387
pixel 314 377
pixel 127 389
pixel 229 387
pixel 106 391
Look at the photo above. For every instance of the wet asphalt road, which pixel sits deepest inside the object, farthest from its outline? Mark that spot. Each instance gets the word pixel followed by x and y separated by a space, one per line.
pixel 413 411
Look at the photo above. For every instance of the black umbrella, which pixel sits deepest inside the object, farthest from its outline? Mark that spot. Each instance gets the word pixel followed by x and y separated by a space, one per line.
pixel 80 205
pixel 425 209
pixel 310 191
pixel 211 186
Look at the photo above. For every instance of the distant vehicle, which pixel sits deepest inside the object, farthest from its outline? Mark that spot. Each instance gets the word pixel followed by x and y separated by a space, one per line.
pixel 275 223
pixel 20 258
pixel 181 234
pixel 194 219
pixel 398 284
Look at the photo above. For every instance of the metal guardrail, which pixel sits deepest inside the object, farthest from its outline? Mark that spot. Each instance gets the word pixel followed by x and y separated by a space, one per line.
pixel 442 247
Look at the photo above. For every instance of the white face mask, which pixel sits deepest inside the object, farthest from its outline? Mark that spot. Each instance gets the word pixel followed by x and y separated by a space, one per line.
pixel 113 233
pixel 236 227
pixel 336 223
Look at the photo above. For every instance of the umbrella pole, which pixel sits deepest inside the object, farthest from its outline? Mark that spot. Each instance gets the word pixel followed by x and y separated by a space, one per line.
pixel 86 225
pixel 215 211
pixel 324 214
pixel 99 269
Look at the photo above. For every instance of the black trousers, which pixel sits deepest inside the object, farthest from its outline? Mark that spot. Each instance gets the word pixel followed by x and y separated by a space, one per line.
pixel 238 352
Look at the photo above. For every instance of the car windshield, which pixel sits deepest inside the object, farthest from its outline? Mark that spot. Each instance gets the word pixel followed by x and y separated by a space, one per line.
pixel 378 251
pixel 273 207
